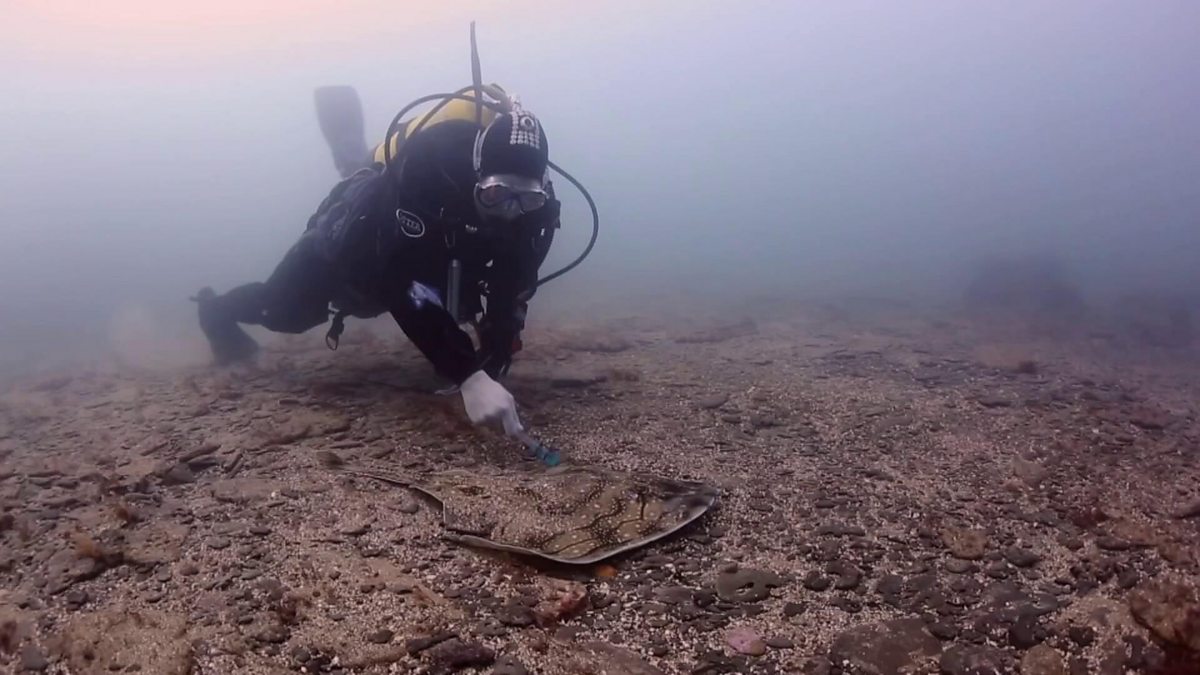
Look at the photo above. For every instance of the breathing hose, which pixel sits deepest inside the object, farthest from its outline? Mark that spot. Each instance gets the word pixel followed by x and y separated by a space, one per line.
pixel 393 163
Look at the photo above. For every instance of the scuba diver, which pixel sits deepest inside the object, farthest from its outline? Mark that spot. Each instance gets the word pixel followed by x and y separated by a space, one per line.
pixel 453 208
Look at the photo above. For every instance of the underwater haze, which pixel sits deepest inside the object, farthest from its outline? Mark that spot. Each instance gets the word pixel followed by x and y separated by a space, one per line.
pixel 733 148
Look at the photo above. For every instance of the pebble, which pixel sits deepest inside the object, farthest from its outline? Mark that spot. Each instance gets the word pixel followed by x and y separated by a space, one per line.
pixel 180 474
pixel 747 585
pixel 901 645
pixel 943 630
pixel 965 544
pixel 745 641
pixel 568 633
pixel 792 609
pixel 260 530
pixel 455 654
pixel 959 566
pixel 1020 557
pixel 996 571
pixel 674 595
pixel 848 576
pixel 761 505
pixel 780 643
pixel 76 598
pixel 1024 633
pixel 1110 543
pixel 418 645
pixel 972 660
pixel 381 636
pixel 1127 578
pixel 33 660
pixel 847 605
pixel 218 543
pixel 1043 660
pixel 815 581
pixel 838 530
pixel 515 614
pixel 890 585
pixel 509 666
pixel 1083 636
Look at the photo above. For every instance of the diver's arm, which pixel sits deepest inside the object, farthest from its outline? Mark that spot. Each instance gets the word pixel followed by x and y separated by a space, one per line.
pixel 512 284
pixel 436 334
pixel 452 353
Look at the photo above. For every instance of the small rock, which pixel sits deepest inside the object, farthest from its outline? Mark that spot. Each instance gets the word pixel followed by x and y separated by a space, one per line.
pixel 713 402
pixel 972 660
pixel 848 576
pixel 516 615
pixel 902 645
pixel 1024 633
pixel 357 530
pixel 965 544
pixel 792 609
pixel 381 637
pixel 890 585
pixel 421 644
pixel 837 530
pixel 509 666
pixel 780 643
pixel 674 595
pixel 1020 557
pixel 747 585
pixel 33 660
pixel 1170 610
pixel 761 505
pixel 272 634
pixel 300 655
pixel 1030 473
pixel 991 401
pixel 1109 543
pixel 260 530
pixel 179 474
pixel 1191 510
pixel 959 566
pixel 1127 578
pixel 1043 660
pixel 455 654
pixel 943 630
pixel 815 581
pixel 1151 419
pixel 1083 636
pixel 218 543
pixel 745 641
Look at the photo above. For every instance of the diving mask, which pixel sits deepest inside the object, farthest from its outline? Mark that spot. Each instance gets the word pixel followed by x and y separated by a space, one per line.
pixel 509 196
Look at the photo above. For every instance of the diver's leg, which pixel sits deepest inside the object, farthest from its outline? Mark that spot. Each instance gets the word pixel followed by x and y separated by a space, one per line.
pixel 219 318
pixel 293 300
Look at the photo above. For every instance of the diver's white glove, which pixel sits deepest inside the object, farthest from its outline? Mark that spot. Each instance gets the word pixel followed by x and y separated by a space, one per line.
pixel 487 400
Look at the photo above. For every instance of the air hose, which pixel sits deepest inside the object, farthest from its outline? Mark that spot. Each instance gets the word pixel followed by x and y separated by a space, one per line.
pixel 392 163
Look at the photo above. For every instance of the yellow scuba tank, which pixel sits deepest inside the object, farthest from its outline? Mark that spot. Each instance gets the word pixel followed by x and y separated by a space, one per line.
pixel 455 109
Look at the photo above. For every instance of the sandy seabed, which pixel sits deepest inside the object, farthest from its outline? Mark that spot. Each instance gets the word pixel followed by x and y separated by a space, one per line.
pixel 902 491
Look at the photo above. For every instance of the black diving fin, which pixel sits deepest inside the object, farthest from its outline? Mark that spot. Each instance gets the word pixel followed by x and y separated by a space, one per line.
pixel 340 114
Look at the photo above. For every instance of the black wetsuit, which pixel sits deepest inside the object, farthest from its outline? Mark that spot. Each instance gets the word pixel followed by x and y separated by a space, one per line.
pixel 374 246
